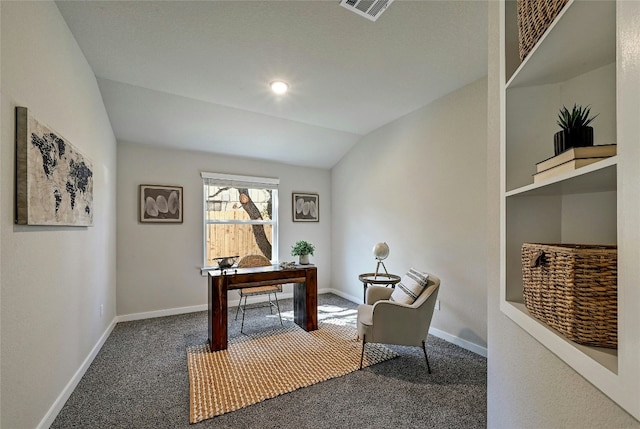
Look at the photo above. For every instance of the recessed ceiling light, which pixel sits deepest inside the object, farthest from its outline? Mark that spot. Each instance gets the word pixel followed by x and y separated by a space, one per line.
pixel 279 87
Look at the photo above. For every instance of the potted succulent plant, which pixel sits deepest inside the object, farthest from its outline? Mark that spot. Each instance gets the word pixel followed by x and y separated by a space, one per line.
pixel 303 249
pixel 575 128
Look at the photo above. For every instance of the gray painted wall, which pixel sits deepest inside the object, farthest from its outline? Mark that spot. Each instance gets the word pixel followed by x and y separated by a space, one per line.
pixel 2 216
pixel 418 183
pixel 54 279
pixel 159 264
pixel 528 386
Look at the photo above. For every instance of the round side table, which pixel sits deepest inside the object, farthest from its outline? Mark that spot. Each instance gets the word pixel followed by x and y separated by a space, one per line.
pixel 368 279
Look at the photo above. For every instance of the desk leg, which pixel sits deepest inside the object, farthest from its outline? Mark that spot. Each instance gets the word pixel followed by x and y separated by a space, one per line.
pixel 217 313
pixel 364 299
pixel 305 302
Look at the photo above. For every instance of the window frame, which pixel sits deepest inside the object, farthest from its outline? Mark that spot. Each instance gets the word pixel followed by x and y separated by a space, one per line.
pixel 234 180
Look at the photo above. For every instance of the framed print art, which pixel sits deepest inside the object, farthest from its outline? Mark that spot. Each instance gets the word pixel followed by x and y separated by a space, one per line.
pixel 54 180
pixel 305 207
pixel 161 204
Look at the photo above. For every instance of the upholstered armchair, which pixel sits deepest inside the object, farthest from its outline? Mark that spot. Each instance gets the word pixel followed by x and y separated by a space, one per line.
pixel 385 320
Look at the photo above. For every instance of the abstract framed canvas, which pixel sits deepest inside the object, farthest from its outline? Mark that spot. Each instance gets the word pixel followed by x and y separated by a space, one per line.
pixel 161 204
pixel 306 207
pixel 54 181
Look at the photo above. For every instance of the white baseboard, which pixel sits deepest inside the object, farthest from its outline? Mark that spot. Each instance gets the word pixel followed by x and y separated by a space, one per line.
pixel 482 351
pixel 161 313
pixel 467 345
pixel 62 398
pixel 204 307
pixel 346 296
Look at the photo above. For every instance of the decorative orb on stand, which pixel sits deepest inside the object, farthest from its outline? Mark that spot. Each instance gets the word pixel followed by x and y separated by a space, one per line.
pixel 381 252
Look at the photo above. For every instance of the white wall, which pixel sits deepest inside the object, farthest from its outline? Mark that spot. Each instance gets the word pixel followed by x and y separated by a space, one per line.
pixel 53 279
pixel 418 183
pixel 1 215
pixel 159 264
pixel 528 386
pixel 1 218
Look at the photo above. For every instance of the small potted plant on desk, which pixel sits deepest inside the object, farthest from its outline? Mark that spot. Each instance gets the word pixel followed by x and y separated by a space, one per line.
pixel 303 249
pixel 576 131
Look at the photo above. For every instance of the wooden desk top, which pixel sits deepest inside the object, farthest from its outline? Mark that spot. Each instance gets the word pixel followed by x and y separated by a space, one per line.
pixel 238 278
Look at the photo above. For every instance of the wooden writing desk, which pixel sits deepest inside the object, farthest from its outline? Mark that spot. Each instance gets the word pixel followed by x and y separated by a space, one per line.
pixel 305 295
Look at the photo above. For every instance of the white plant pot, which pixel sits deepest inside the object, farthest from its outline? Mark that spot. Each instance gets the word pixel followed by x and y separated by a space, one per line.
pixel 304 259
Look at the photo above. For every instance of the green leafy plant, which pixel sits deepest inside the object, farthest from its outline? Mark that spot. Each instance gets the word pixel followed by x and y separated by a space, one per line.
pixel 302 248
pixel 578 117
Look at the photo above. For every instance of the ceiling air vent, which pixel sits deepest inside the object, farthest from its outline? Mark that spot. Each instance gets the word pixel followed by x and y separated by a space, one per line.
pixel 370 9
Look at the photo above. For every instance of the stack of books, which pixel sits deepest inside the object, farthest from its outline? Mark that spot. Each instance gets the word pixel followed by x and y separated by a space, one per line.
pixel 572 159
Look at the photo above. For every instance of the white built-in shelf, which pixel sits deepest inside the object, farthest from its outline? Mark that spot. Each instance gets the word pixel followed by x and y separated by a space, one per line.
pixel 582 38
pixel 600 361
pixel 597 177
pixel 564 65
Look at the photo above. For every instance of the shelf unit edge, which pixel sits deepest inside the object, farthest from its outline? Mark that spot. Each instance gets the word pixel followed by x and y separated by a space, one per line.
pixel 583 171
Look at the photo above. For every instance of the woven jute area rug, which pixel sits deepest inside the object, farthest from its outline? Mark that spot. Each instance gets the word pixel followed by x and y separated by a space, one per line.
pixel 267 364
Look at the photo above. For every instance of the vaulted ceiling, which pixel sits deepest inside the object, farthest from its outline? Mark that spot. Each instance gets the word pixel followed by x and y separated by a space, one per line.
pixel 194 74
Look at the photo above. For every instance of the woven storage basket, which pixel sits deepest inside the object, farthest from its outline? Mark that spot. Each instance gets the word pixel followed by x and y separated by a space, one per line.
pixel 534 17
pixel 573 288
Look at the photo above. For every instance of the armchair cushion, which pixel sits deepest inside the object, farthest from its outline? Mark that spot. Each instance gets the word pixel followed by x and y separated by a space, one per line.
pixel 377 293
pixel 410 287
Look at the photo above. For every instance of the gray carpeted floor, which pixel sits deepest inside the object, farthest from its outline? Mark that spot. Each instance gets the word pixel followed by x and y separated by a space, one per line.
pixel 139 380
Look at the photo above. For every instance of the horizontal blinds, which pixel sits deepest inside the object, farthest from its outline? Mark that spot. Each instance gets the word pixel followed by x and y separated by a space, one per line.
pixel 218 179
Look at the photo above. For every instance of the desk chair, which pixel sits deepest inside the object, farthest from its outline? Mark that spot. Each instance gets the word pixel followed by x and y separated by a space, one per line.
pixel 251 261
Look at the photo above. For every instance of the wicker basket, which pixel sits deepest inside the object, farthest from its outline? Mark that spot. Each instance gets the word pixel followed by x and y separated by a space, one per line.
pixel 534 17
pixel 573 288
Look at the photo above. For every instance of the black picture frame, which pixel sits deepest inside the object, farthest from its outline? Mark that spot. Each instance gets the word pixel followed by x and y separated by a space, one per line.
pixel 305 207
pixel 161 204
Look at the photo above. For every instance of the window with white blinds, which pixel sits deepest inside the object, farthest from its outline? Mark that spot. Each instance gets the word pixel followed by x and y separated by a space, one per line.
pixel 240 217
